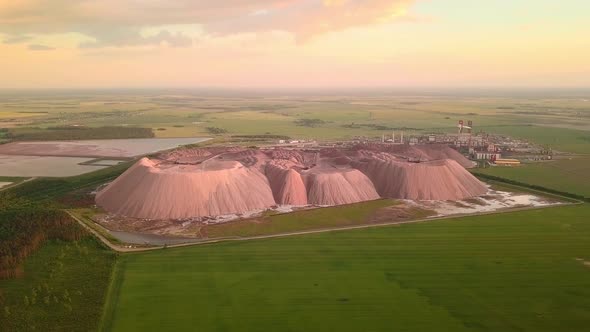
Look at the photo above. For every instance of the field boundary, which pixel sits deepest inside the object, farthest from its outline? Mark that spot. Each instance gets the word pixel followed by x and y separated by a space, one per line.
pixel 108 312
pixel 540 189
pixel 314 231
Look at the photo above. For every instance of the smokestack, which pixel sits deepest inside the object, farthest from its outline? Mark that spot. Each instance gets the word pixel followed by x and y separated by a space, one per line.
pixel 393 136
pixel 402 139
pixel 383 138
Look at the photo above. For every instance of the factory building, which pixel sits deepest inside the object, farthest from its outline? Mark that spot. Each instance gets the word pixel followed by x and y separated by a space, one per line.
pixel 486 155
pixel 507 162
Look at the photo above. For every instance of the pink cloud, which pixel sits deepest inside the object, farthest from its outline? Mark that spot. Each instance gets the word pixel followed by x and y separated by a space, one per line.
pixel 118 22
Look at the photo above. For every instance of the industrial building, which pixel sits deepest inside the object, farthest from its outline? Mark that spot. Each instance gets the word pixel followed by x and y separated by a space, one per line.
pixel 507 162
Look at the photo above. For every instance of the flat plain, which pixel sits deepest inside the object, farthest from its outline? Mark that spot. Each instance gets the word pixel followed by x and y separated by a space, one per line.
pixel 560 120
pixel 508 272
pixel 567 175
pixel 517 271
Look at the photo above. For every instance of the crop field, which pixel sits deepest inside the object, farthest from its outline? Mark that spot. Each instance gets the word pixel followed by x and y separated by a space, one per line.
pixel 520 271
pixel 567 175
pixel 577 141
pixel 516 271
pixel 63 288
pixel 560 121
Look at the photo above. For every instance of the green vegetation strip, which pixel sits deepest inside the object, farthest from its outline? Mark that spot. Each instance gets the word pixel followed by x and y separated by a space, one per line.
pixel 561 139
pixel 520 271
pixel 49 190
pixel 531 186
pixel 85 216
pixel 313 219
pixel 11 179
pixel 566 175
pixel 112 295
pixel 78 133
pixel 63 288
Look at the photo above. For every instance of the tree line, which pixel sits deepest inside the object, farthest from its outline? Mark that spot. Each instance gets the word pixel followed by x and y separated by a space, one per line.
pixel 24 230
pixel 78 133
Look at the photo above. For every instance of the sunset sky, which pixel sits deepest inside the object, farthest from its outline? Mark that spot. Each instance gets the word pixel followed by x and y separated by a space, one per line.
pixel 294 43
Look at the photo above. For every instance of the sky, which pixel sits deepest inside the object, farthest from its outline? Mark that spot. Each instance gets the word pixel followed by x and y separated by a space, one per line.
pixel 294 43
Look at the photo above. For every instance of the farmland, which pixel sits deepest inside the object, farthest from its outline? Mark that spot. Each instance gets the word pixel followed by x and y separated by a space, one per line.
pixel 516 271
pixel 569 140
pixel 523 271
pixel 567 175
pixel 560 121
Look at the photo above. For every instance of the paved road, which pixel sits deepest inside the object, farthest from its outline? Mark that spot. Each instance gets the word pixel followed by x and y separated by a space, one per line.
pixel 315 231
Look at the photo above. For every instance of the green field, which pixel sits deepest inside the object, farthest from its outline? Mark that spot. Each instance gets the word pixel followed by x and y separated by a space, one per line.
pixel 63 284
pixel 569 140
pixel 63 288
pixel 568 175
pixel 517 271
pixel 562 122
pixel 342 216
pixel 522 271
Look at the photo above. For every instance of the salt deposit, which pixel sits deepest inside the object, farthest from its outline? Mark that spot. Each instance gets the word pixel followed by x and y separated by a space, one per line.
pixel 287 185
pixel 164 191
pixel 204 182
pixel 432 180
pixel 338 186
pixel 494 200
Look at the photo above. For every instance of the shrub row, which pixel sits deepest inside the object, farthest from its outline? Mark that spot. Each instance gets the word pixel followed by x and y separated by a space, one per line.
pixel 78 133
pixel 532 186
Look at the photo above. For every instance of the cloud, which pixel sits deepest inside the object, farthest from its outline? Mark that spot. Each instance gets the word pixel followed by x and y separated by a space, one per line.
pixel 126 37
pixel 39 47
pixel 119 22
pixel 17 39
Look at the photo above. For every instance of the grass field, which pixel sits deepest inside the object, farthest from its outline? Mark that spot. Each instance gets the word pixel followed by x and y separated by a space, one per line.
pixel 521 271
pixel 63 288
pixel 562 139
pixel 560 121
pixel 568 175
pixel 341 216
